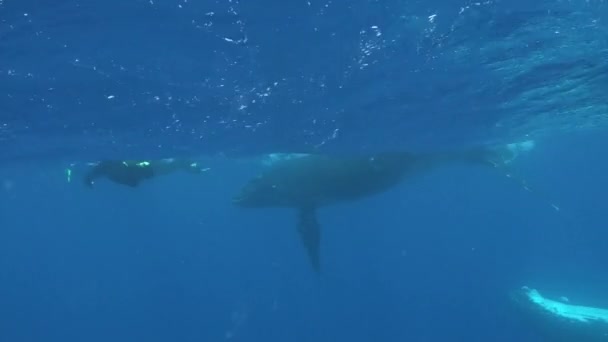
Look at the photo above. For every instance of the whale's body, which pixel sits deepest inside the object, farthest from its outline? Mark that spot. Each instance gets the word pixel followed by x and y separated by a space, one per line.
pixel 308 182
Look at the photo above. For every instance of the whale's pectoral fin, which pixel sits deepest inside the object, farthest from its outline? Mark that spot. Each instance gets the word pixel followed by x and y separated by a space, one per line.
pixel 310 233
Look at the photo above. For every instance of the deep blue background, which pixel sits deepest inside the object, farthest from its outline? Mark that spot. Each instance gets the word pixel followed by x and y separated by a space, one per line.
pixel 433 259
pixel 229 81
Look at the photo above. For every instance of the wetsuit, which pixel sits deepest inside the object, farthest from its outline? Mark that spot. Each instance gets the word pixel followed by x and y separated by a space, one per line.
pixel 131 173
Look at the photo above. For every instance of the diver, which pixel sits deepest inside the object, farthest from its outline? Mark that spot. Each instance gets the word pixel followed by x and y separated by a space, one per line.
pixel 131 173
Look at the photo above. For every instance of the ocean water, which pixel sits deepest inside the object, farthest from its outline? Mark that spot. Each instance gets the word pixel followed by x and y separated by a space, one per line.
pixel 228 82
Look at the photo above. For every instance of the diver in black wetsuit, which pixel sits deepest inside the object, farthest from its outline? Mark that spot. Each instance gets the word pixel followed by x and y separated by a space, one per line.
pixel 132 172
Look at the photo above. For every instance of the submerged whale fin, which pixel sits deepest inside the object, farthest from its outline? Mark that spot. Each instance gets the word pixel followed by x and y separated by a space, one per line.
pixel 310 233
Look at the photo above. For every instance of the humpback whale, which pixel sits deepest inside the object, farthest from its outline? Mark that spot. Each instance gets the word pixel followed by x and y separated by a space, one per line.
pixel 308 182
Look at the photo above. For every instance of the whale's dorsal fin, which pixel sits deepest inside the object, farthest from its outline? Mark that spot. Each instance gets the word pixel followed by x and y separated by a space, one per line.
pixel 310 233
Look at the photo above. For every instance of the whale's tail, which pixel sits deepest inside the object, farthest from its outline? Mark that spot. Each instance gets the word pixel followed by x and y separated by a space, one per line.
pixel 505 154
pixel 499 156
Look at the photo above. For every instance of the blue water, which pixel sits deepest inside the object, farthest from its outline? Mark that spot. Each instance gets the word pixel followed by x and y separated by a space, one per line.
pixel 226 82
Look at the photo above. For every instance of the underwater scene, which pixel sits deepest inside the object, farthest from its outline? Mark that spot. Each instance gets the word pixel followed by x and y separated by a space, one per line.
pixel 303 170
